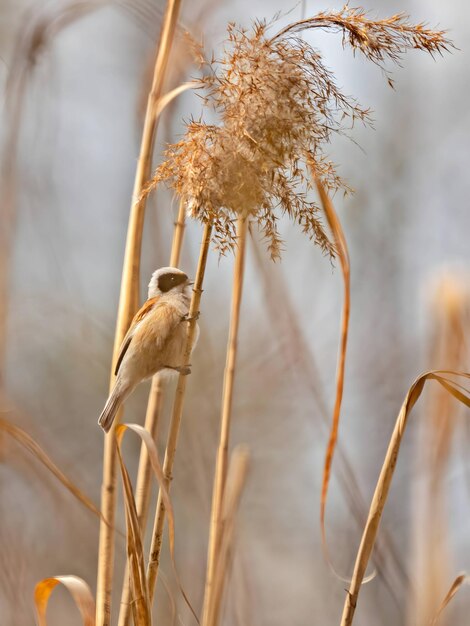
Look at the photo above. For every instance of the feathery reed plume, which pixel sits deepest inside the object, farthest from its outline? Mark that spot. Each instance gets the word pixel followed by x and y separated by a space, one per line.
pixel 128 301
pixel 386 474
pixel 449 331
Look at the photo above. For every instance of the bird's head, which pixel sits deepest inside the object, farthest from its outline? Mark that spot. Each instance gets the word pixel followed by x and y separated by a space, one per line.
pixel 168 280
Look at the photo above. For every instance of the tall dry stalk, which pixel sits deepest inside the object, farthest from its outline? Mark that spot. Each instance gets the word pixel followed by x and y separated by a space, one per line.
pixel 152 415
pixel 235 481
pixel 178 405
pixel 449 332
pixel 385 478
pixel 225 420
pixel 128 302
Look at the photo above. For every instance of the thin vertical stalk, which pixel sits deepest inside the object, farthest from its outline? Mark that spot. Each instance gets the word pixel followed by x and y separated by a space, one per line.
pixel 226 414
pixel 128 301
pixel 159 522
pixel 152 416
pixel 235 483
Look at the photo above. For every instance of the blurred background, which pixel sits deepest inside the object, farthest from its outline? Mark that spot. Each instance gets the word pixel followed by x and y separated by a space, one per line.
pixel 75 77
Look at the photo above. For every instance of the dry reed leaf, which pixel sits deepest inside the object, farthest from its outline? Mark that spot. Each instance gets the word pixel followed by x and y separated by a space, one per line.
pixel 78 589
pixel 28 442
pixel 152 451
pixel 342 251
pixel 461 579
pixel 369 535
pixel 135 554
pixel 135 550
pixel 165 100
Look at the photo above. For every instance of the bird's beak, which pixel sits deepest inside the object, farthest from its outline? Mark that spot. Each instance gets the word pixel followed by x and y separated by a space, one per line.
pixel 190 282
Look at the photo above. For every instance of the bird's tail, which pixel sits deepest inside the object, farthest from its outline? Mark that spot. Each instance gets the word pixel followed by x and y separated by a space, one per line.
pixel 116 398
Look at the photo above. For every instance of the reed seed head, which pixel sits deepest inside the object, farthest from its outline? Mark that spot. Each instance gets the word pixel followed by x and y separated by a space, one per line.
pixel 277 107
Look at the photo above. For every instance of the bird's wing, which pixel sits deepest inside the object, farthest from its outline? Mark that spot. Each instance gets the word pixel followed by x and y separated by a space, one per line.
pixel 138 317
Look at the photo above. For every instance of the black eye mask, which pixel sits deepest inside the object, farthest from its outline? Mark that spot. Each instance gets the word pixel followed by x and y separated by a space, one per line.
pixel 170 280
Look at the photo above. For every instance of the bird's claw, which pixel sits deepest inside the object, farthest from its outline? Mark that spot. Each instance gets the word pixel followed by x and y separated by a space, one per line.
pixel 187 318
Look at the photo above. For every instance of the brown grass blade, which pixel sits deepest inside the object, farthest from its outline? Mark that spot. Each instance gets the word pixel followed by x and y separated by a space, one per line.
pixel 170 451
pixel 128 301
pixel 342 250
pixel 135 553
pixel 78 589
pixel 385 478
pixel 226 415
pixel 462 579
pixel 235 483
pixel 144 475
pixel 25 440
pixel 152 452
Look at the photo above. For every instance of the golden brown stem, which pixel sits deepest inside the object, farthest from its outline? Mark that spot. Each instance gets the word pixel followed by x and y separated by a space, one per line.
pixel 236 479
pixel 226 414
pixel 154 559
pixel 128 301
pixel 151 422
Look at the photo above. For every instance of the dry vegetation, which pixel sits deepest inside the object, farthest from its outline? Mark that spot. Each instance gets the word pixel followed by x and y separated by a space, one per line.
pixel 276 108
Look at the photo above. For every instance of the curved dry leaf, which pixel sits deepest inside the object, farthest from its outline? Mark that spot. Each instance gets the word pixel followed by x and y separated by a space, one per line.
pixel 146 437
pixel 343 253
pixel 35 449
pixel 165 100
pixel 135 554
pixel 78 589
pixel 386 474
pixel 130 502
pixel 458 582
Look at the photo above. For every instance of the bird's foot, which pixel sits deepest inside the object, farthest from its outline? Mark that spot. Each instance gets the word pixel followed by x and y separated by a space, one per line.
pixel 187 318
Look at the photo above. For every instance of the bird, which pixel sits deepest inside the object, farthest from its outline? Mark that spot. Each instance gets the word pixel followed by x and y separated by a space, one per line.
pixel 156 338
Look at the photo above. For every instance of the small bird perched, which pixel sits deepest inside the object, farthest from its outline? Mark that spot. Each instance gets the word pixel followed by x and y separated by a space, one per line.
pixel 155 340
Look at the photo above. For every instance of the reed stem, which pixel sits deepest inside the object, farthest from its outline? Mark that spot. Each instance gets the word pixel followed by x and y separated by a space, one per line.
pixel 128 302
pixel 226 414
pixel 159 522
pixel 152 418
